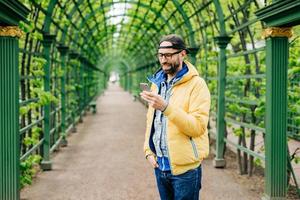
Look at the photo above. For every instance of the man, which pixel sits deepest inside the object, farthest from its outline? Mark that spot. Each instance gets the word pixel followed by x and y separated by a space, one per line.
pixel 176 139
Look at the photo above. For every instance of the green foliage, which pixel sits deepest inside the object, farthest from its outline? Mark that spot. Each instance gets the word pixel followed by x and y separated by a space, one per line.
pixel 238 131
pixel 37 66
pixel 260 110
pixel 27 28
pixel 258 162
pixel 34 139
pixel 70 88
pixel 24 110
pixel 294 88
pixel 28 169
pixel 37 35
pixel 297 159
pixel 44 97
pixel 60 73
pixel 31 106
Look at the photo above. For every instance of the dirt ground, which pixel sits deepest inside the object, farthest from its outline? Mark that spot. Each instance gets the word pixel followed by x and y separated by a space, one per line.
pixel 104 161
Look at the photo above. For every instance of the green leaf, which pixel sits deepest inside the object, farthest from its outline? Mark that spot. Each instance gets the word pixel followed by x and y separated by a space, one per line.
pixel 238 131
pixel 296 159
pixel 27 141
pixel 24 110
pixel 293 71
pixel 257 162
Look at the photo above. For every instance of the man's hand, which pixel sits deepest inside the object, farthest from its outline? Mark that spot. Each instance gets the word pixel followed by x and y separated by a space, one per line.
pixel 152 161
pixel 154 100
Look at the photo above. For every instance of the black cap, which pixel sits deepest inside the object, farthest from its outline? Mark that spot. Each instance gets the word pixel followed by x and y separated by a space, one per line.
pixel 176 40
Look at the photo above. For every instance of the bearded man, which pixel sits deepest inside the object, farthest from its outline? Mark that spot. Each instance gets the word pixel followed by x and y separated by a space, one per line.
pixel 176 138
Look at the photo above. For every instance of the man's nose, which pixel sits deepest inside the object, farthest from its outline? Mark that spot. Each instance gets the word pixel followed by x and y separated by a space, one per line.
pixel 163 59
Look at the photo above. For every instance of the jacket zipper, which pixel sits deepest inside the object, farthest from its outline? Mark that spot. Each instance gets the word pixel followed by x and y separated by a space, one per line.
pixel 194 147
pixel 169 91
pixel 151 124
pixel 168 147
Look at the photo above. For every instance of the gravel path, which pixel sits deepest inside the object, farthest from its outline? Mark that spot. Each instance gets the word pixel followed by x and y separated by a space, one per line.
pixel 104 160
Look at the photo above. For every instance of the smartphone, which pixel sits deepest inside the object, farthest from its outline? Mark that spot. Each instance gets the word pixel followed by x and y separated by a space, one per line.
pixel 144 86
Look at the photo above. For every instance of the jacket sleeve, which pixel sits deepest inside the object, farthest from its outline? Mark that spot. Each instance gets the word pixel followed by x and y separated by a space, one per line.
pixel 194 122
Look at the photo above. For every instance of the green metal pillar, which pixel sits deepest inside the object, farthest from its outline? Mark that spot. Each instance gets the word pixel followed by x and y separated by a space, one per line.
pixel 82 65
pixel 144 75
pixel 138 76
pixel 193 52
pixel 11 12
pixel 63 52
pixel 219 160
pixel 86 87
pixel 106 80
pixel 46 164
pixel 276 117
pixel 129 82
pixel 100 86
pixel 126 82
pixel 280 16
pixel 74 73
pixel 89 82
pixel 85 69
pixel 9 115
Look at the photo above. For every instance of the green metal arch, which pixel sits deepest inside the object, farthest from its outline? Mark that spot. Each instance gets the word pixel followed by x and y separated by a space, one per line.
pixel 144 49
pixel 47 21
pixel 95 27
pixel 186 21
pixel 220 17
pixel 120 60
pixel 123 41
pixel 108 4
pixel 52 5
pixel 141 4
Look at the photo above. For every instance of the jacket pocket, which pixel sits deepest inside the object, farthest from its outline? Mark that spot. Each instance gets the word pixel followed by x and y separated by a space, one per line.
pixel 194 148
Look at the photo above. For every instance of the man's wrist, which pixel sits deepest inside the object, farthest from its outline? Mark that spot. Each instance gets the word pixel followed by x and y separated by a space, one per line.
pixel 165 108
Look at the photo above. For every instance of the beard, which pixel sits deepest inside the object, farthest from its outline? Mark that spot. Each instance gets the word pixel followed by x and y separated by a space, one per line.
pixel 173 68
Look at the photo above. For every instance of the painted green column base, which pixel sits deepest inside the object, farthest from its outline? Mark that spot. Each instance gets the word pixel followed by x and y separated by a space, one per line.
pixel 93 105
pixel 219 163
pixel 81 118
pixel 74 129
pixel 46 165
pixel 64 142
pixel 266 197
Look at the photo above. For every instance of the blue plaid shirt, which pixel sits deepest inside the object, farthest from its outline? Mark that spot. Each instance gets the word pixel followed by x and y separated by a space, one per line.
pixel 159 137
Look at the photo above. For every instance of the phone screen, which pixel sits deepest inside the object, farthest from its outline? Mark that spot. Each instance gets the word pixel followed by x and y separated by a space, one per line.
pixel 144 86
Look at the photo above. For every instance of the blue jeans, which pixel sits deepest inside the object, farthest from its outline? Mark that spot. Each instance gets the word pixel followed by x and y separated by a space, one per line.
pixel 179 187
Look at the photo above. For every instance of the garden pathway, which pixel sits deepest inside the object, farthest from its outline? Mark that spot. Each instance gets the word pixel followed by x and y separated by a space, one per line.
pixel 104 160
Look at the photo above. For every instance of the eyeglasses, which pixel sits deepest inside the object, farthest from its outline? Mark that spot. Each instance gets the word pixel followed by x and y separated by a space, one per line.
pixel 167 55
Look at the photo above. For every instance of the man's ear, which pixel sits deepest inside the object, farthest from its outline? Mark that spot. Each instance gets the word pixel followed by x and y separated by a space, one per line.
pixel 183 53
